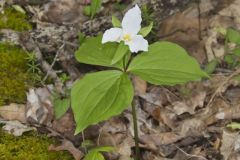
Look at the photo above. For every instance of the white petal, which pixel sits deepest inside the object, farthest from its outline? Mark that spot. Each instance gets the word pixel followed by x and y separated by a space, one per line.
pixel 138 43
pixel 131 22
pixel 112 35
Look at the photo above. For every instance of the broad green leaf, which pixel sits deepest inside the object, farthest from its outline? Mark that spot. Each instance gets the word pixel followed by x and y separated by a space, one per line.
pixel 116 22
pixel 61 106
pixel 146 30
pixel 121 51
pixel 211 66
pixel 92 51
pixel 166 64
pixel 95 7
pixel 99 96
pixel 93 155
pixel 233 35
pixel 234 125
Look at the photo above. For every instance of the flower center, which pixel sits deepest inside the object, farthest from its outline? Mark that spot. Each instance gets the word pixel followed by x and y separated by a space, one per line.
pixel 127 37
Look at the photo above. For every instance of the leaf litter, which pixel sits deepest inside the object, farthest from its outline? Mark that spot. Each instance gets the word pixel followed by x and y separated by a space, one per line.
pixel 175 123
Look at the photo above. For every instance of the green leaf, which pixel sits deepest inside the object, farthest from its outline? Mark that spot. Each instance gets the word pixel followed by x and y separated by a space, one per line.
pixel 166 64
pixel 236 52
pixel 92 51
pixel 103 149
pixel 87 144
pixel 146 30
pixel 234 125
pixel 116 22
pixel 19 9
pixel 61 106
pixel 122 50
pixel 93 155
pixel 211 66
pixel 95 7
pixel 229 59
pixel 81 37
pixel 233 36
pixel 87 10
pixel 99 96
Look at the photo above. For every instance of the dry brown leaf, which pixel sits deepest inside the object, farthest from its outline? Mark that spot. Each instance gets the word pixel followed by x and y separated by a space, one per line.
pixel 124 149
pixel 230 143
pixel 229 113
pixel 227 17
pixel 161 138
pixel 233 95
pixel 189 105
pixel 183 29
pixel 16 128
pixel 114 125
pixel 63 12
pixel 39 106
pixel 13 112
pixel 192 127
pixel 68 146
pixel 65 125
pixel 140 85
pixel 165 116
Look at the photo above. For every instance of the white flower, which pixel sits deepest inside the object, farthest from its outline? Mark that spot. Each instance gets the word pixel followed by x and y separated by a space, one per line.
pixel 131 25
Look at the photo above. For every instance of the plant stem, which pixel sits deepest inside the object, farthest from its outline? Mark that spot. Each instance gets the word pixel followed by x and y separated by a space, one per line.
pixel 135 125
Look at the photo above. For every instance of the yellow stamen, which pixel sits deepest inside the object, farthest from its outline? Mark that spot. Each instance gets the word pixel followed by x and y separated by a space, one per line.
pixel 127 37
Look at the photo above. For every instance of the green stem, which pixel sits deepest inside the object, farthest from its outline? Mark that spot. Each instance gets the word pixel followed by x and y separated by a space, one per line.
pixel 135 125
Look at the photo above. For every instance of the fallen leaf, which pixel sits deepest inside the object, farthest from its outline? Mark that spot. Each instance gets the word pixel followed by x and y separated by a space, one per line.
pixel 230 143
pixel 190 104
pixel 65 125
pixel 67 145
pixel 63 12
pixel 39 106
pixel 161 138
pixel 165 116
pixel 124 149
pixel 16 128
pixel 229 113
pixel 140 85
pixel 192 127
pixel 13 112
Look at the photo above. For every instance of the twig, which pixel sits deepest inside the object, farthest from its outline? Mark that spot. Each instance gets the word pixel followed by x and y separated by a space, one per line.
pixel 190 155
pixel 53 63
pixel 218 90
pixel 199 20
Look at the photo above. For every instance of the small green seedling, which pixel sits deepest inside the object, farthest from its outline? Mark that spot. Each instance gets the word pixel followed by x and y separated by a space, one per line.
pixel 234 125
pixel 233 56
pixel 92 9
pixel 96 153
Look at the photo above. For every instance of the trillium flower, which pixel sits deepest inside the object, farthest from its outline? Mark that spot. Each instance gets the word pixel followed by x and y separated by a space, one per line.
pixel 131 25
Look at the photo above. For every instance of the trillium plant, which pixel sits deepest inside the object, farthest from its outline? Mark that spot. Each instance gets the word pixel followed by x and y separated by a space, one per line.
pixel 98 96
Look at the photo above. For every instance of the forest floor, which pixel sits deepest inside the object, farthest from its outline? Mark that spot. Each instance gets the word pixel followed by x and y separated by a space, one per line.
pixel 195 121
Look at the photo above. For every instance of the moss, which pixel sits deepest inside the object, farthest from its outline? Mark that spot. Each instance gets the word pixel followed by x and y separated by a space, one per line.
pixel 13 73
pixel 12 19
pixel 29 147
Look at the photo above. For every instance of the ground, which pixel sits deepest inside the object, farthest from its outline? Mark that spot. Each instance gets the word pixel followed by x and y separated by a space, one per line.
pixel 197 120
